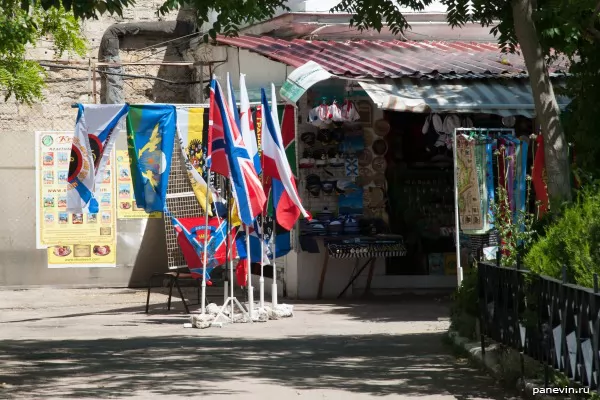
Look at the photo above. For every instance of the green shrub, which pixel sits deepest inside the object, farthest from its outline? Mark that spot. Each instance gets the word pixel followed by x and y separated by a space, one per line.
pixel 465 306
pixel 573 239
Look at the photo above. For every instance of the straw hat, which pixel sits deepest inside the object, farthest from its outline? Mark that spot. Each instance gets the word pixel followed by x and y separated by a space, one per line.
pixel 382 127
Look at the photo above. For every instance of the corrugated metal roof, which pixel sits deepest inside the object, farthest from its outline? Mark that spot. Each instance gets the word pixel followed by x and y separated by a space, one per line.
pixel 490 96
pixel 394 58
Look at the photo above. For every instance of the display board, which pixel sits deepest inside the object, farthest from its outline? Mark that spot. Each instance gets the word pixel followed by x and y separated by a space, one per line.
pixel 126 205
pixel 71 240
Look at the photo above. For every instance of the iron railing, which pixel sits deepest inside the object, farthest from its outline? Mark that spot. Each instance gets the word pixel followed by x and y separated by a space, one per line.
pixel 549 320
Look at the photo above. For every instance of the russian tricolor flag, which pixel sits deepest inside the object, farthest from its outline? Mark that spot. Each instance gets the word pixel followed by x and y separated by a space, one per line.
pixel 286 201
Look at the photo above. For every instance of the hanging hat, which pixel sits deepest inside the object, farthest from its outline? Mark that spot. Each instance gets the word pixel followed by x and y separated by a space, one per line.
pixel 380 147
pixel 451 122
pixel 425 128
pixel 468 123
pixel 307 161
pixel 313 185
pixel 378 164
pixel 324 136
pixel 509 121
pixel 365 156
pixel 436 120
pixel 382 127
pixel 308 138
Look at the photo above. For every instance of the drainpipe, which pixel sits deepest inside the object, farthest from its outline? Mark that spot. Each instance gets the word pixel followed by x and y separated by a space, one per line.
pixel 112 85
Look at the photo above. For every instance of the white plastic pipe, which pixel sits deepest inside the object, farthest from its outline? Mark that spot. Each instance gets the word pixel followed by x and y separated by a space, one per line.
pixel 250 289
pixel 274 285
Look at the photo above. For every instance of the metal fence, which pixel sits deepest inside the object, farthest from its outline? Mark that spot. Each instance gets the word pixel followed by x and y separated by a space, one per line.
pixel 549 320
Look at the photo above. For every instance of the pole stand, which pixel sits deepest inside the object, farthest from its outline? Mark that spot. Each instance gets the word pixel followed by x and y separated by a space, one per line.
pixel 234 301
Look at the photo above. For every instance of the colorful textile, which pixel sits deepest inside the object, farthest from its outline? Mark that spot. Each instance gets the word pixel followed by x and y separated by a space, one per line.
pixel 489 175
pixel 469 198
pixel 192 132
pixel 228 156
pixel 150 138
pixel 96 130
pixel 286 200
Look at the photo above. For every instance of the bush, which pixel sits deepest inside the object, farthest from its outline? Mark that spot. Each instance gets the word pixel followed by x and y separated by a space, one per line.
pixel 573 239
pixel 464 309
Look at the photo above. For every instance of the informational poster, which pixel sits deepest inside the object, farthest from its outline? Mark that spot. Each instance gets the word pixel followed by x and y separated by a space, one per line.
pixel 71 239
pixel 126 206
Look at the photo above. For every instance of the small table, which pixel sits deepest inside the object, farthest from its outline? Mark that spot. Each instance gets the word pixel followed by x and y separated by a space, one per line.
pixel 369 247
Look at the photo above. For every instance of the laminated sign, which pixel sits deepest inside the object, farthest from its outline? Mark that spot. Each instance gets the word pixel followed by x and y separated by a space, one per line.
pixel 301 79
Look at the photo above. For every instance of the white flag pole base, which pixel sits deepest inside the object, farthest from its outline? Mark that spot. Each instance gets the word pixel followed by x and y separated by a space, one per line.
pixel 261 283
pixel 225 291
pixel 203 300
pixel 274 292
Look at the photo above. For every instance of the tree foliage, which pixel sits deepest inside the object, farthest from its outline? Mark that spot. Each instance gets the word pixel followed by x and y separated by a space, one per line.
pixel 22 26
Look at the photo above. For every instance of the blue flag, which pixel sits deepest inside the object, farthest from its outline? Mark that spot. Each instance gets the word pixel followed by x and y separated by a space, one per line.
pixel 150 139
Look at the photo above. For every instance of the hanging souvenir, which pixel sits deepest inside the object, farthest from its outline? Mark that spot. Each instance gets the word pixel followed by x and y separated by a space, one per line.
pixel 365 156
pixel 380 147
pixel 378 164
pixel 349 111
pixel 382 127
pixel 351 166
pixel 335 112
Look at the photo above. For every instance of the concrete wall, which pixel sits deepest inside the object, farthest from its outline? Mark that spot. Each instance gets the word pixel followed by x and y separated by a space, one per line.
pixel 141 244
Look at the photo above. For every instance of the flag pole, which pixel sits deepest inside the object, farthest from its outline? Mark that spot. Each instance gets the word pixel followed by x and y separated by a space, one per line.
pixel 205 263
pixel 229 218
pixel 261 281
pixel 249 285
pixel 274 285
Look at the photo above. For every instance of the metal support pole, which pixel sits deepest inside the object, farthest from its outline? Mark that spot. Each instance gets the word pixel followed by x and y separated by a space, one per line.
pixel 274 285
pixel 459 270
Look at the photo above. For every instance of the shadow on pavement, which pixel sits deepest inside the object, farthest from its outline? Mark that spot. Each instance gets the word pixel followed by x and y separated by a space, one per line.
pixel 414 365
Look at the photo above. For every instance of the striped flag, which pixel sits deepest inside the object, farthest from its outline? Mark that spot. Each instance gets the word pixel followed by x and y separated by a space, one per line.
pixel 228 156
pixel 286 201
pixel 96 130
pixel 247 126
pixel 192 131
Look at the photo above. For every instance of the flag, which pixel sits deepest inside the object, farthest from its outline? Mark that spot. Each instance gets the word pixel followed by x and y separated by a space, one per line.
pixel 150 139
pixel 286 201
pixel 282 242
pixel 192 132
pixel 247 126
pixel 96 129
pixel 287 113
pixel 229 157
pixel 232 103
pixel 190 237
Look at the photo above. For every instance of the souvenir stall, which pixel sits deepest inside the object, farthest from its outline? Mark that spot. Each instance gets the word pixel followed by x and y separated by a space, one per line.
pixel 343 185
pixel 380 186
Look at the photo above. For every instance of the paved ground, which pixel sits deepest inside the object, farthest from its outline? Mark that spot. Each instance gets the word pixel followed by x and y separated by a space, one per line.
pixel 99 344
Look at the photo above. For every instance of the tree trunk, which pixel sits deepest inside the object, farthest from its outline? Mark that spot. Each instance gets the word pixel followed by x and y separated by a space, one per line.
pixel 546 106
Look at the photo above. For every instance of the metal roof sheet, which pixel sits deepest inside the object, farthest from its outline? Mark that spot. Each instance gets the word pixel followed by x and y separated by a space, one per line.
pixel 394 58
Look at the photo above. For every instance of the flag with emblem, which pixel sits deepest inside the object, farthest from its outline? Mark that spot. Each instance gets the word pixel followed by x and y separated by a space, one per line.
pixel 96 129
pixel 150 138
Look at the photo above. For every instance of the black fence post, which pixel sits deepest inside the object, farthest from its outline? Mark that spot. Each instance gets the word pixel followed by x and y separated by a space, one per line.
pixel 481 292
pixel 498 257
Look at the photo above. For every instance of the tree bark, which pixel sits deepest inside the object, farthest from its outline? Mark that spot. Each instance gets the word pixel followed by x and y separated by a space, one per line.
pixel 546 106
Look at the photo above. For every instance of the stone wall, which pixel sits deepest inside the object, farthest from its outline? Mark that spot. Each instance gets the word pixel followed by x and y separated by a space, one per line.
pixel 141 244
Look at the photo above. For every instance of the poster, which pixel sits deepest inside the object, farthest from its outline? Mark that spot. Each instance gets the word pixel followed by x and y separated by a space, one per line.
pixel 71 239
pixel 126 206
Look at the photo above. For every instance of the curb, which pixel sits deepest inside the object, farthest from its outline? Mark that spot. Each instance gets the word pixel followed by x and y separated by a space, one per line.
pixel 491 363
